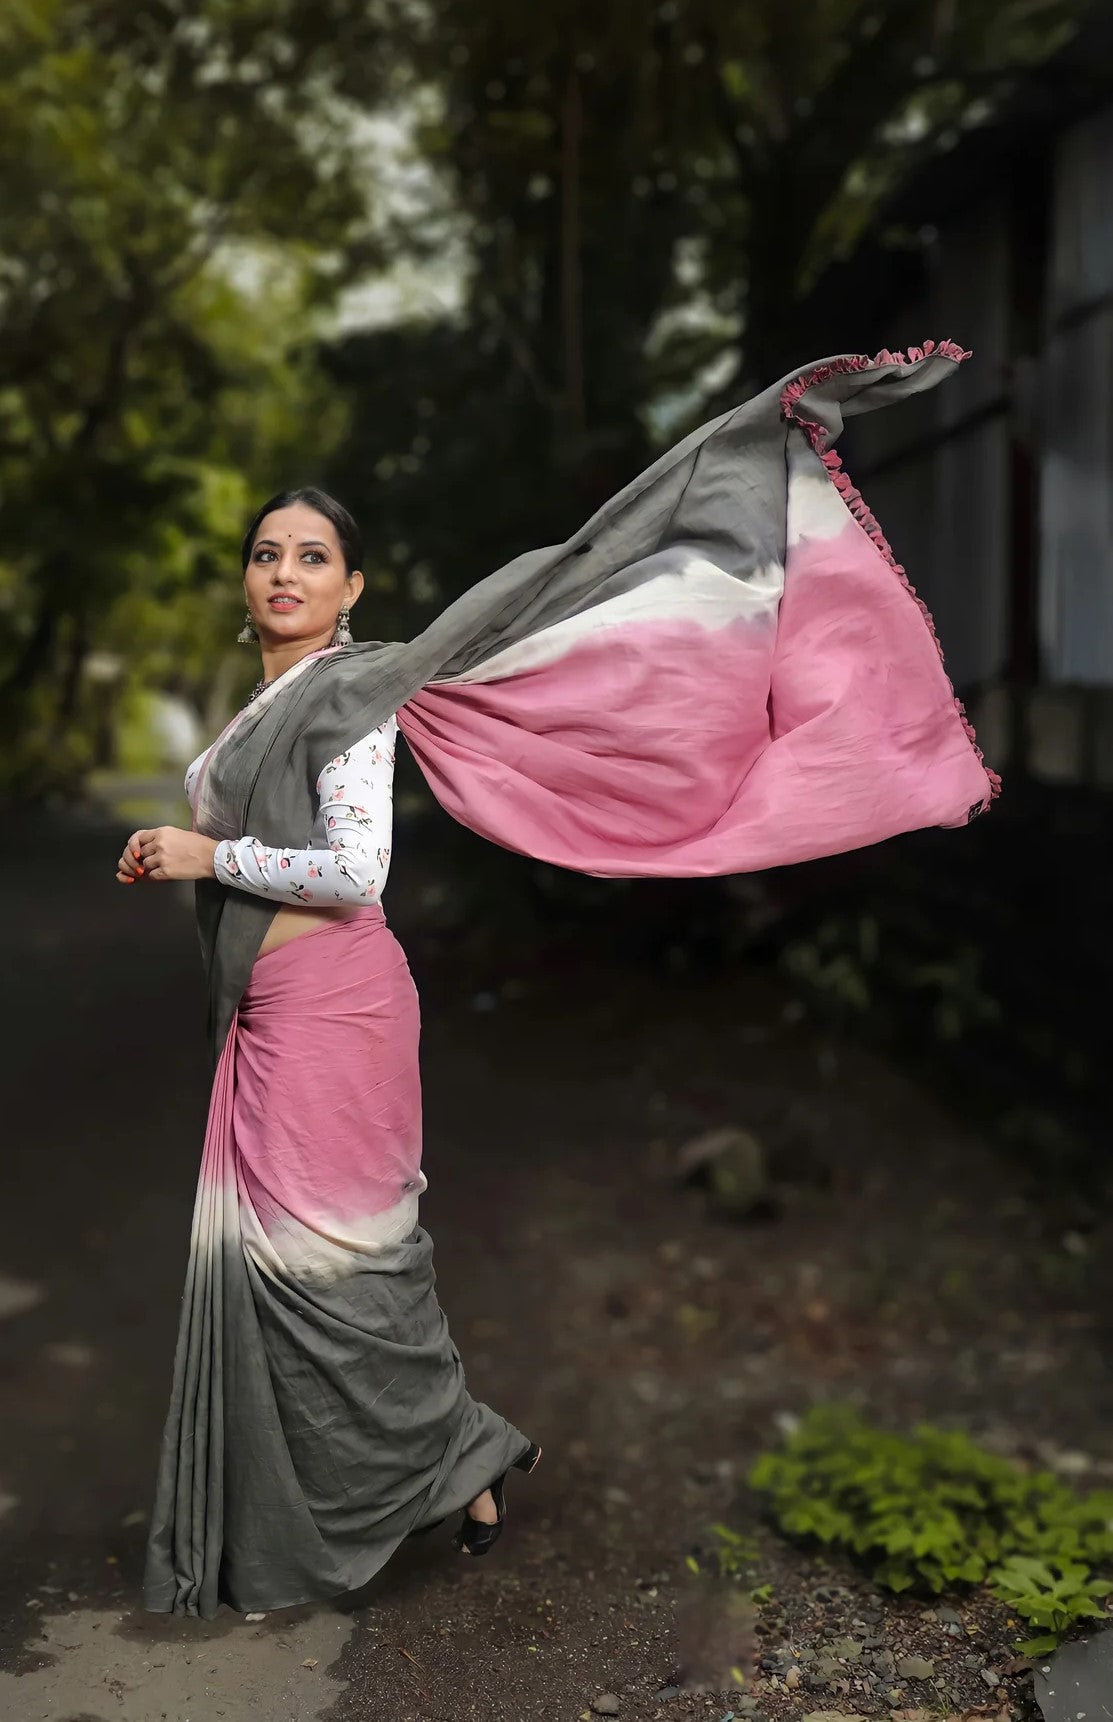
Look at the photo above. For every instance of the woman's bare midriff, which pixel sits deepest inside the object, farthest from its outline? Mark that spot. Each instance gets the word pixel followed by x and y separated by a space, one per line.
pixel 294 919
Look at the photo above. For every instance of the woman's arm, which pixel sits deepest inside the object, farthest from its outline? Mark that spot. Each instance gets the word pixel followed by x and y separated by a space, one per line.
pixel 356 802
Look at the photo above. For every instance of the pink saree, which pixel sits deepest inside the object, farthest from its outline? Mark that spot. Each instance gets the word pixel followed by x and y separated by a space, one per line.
pixel 320 1414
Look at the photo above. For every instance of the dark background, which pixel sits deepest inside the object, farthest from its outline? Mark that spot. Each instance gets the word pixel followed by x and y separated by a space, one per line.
pixel 471 266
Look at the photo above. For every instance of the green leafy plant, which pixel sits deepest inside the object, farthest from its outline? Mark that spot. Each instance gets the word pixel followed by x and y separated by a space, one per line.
pixel 736 1555
pixel 1052 1593
pixel 932 1511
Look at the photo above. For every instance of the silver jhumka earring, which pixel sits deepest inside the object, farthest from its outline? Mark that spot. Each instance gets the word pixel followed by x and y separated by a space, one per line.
pixel 247 635
pixel 343 634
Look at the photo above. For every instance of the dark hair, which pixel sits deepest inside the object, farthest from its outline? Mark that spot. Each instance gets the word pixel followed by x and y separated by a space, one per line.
pixel 322 503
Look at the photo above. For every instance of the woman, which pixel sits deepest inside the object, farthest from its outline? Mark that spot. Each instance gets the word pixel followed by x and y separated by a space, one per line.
pixel 725 669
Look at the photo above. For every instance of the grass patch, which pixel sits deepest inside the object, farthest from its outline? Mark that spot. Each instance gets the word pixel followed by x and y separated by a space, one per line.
pixel 933 1512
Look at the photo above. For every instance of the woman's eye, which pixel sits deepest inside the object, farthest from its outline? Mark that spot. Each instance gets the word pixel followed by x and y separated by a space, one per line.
pixel 315 555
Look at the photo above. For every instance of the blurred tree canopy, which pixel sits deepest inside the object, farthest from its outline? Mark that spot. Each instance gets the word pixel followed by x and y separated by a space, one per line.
pixel 635 203
pixel 649 196
pixel 182 191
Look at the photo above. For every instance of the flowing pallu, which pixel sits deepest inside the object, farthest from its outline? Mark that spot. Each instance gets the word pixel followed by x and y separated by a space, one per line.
pixel 725 669
pixel 319 1410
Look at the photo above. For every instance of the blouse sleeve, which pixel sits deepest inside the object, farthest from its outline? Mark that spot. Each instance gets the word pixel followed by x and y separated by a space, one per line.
pixel 355 793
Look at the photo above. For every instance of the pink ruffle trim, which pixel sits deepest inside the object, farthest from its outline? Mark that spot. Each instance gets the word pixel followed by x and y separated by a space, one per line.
pixel 817 434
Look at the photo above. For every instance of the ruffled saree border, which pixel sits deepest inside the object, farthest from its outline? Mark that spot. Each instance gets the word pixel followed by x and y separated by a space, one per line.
pixel 794 410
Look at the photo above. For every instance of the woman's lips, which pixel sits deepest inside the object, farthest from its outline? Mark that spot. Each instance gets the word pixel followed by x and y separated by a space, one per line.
pixel 283 603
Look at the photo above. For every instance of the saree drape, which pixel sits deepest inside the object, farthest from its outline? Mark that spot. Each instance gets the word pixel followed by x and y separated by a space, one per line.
pixel 318 1408
pixel 725 669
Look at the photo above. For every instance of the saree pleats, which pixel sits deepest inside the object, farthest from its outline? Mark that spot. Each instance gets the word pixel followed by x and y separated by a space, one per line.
pixel 318 1411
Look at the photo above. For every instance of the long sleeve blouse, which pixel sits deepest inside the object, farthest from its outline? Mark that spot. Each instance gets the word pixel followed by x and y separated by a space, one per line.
pixel 348 856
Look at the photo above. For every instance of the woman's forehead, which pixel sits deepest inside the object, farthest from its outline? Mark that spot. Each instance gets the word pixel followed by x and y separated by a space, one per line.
pixel 298 522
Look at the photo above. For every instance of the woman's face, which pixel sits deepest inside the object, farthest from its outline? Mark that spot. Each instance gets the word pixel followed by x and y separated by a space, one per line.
pixel 295 581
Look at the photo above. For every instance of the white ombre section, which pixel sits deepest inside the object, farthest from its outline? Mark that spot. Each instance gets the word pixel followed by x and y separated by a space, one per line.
pixel 328 1251
pixel 692 590
pixel 312 1154
pixel 815 508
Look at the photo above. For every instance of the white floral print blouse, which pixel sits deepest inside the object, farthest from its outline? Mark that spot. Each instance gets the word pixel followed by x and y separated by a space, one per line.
pixel 349 853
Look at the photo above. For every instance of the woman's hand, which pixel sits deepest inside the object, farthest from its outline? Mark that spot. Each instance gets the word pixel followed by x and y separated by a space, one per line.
pixel 166 853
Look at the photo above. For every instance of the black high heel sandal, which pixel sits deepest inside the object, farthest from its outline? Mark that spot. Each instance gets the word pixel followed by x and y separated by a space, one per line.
pixel 474 1537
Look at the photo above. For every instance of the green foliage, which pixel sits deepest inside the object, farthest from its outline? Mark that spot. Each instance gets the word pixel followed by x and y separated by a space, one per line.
pixel 182 197
pixel 639 200
pixel 626 205
pixel 735 1553
pixel 692 166
pixel 853 963
pixel 910 958
pixel 933 1511
pixel 735 1559
pixel 1056 1594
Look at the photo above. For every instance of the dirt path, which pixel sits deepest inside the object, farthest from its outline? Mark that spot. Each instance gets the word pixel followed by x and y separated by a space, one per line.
pixel 652 1349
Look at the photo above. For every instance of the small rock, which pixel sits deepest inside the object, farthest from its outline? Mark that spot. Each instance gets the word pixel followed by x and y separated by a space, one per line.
pixel 793 1678
pixel 990 1678
pixel 255 1617
pixel 310 1662
pixel 733 1166
pixel 667 1692
pixel 950 1616
pixel 605 1705
pixel 915 1668
pixel 846 1649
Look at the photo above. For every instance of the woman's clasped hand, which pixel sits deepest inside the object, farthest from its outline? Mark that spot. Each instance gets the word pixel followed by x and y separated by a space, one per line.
pixel 166 853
